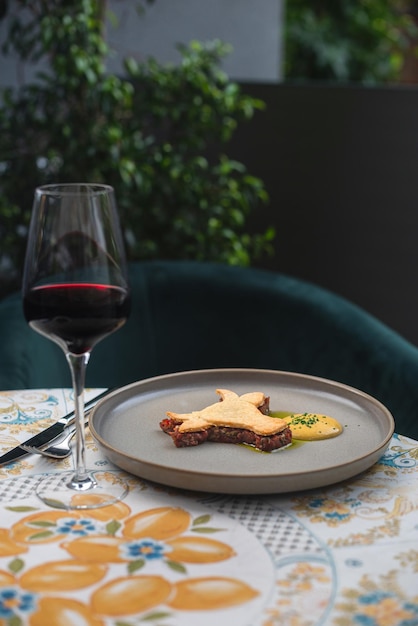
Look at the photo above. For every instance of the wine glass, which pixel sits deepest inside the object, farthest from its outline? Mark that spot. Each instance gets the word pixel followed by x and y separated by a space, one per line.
pixel 76 292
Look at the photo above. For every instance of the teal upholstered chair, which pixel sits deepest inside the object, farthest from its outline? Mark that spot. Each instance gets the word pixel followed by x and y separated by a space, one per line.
pixel 189 315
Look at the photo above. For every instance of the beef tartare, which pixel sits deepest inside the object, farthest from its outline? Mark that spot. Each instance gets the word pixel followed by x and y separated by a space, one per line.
pixel 234 419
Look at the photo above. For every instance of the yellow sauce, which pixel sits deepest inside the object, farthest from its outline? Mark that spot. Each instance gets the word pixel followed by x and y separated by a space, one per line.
pixel 313 426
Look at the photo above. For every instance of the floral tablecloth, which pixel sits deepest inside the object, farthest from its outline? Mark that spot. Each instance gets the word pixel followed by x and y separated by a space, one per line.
pixel 338 556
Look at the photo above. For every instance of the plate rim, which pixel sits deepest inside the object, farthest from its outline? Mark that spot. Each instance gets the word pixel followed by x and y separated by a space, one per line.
pixel 376 450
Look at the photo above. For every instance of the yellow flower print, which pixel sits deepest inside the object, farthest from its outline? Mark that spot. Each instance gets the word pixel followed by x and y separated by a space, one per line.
pixel 6 579
pixel 307 568
pixel 198 550
pixel 8 546
pixel 94 540
pixel 63 611
pixel 152 534
pixel 166 524
pixel 380 602
pixel 49 526
pixel 202 594
pixel 388 612
pixel 108 549
pixel 302 576
pixel 130 595
pixel 96 549
pixel 322 509
pixel 26 608
pixel 317 572
pixel 336 507
pixel 21 602
pixel 40 527
pixel 159 523
pixel 136 594
pixel 124 596
pixel 62 576
pixel 119 510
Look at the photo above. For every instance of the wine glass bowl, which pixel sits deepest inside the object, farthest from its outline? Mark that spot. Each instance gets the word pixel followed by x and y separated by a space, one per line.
pixel 75 293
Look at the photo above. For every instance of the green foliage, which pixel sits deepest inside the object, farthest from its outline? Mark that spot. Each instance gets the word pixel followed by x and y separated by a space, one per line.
pixel 347 40
pixel 157 134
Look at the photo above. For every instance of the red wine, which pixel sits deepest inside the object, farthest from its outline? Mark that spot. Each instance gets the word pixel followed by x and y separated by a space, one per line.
pixel 76 314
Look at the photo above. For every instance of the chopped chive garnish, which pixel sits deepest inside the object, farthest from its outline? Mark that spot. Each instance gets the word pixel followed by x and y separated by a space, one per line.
pixel 305 420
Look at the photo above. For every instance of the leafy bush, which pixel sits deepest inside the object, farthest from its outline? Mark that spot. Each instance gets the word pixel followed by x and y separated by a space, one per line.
pixel 347 40
pixel 157 134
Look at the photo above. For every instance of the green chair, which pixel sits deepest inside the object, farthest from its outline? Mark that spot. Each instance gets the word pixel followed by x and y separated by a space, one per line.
pixel 190 315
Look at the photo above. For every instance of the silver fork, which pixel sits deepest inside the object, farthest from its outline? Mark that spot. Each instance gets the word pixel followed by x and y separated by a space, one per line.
pixel 58 448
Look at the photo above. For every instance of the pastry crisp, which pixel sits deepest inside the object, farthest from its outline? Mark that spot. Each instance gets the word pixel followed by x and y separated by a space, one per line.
pixel 233 412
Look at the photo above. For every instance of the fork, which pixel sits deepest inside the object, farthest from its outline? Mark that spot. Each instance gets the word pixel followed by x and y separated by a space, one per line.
pixel 58 448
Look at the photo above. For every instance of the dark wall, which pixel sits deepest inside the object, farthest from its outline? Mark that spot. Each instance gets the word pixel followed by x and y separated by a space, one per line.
pixel 341 167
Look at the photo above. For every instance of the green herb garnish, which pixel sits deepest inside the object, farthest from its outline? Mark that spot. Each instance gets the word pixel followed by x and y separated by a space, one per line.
pixel 307 419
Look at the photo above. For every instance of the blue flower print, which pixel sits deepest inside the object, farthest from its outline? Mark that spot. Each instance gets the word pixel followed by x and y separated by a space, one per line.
pixel 337 516
pixel 14 602
pixel 398 459
pixel 78 527
pixel 334 510
pixel 375 597
pixel 381 605
pixel 316 503
pixel 147 549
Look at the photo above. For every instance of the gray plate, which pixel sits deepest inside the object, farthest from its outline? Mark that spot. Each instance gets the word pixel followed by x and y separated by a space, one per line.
pixel 125 425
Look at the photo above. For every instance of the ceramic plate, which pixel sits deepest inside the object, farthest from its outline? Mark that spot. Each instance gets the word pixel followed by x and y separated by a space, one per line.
pixel 125 425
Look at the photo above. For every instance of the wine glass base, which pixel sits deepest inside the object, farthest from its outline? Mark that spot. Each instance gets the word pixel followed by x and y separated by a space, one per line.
pixel 98 488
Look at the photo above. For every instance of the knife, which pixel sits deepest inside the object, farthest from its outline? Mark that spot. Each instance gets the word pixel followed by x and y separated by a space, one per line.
pixel 48 434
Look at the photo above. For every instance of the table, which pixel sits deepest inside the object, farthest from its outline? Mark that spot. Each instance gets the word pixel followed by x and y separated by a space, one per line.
pixel 341 555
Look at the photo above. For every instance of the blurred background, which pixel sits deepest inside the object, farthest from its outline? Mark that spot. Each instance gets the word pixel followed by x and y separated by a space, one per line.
pixel 284 137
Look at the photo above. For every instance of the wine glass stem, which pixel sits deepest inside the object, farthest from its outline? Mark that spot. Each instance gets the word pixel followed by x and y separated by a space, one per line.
pixel 78 363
